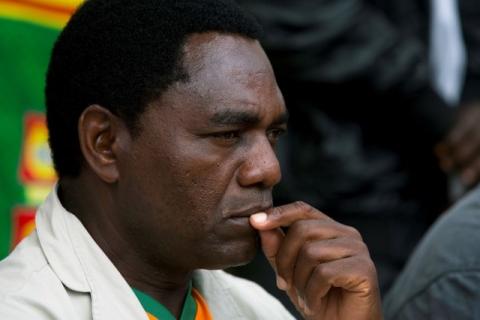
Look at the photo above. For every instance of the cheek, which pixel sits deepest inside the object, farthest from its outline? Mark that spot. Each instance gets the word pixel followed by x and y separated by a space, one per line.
pixel 202 172
pixel 202 188
pixel 191 181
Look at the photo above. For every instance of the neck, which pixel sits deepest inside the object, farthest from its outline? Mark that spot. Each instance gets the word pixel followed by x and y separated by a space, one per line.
pixel 95 208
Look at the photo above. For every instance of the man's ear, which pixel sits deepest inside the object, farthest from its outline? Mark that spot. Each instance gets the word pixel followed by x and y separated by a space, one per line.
pixel 99 131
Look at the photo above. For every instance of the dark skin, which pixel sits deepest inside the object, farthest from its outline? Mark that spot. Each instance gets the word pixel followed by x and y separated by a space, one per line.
pixel 190 181
pixel 459 151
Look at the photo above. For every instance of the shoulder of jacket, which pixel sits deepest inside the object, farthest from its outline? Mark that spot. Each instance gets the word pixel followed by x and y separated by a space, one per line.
pixel 22 266
pixel 249 299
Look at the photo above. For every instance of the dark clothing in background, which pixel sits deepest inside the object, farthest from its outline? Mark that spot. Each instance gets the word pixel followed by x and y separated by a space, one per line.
pixel 364 119
pixel 470 13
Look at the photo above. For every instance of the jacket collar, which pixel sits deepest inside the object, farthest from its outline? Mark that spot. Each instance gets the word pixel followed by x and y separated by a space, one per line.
pixel 56 241
pixel 81 265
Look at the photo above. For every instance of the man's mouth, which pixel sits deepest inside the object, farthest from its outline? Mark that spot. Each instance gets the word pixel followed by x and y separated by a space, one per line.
pixel 247 212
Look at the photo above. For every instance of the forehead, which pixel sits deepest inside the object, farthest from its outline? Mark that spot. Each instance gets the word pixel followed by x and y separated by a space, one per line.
pixel 226 69
pixel 209 55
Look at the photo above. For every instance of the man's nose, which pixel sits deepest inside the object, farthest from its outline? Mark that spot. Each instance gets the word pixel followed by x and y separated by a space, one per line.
pixel 260 166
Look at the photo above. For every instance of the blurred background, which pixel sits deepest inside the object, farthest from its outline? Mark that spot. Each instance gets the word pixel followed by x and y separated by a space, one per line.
pixel 384 97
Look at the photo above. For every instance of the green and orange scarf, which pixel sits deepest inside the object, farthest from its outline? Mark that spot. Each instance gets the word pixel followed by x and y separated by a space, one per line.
pixel 194 308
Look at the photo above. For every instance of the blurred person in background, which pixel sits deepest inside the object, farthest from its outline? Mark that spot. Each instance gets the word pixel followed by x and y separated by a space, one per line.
pixel 442 277
pixel 371 115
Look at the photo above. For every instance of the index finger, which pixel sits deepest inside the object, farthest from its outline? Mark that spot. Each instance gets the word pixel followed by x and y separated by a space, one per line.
pixel 286 215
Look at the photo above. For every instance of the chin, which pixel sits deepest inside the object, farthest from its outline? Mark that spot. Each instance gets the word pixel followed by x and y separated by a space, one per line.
pixel 232 255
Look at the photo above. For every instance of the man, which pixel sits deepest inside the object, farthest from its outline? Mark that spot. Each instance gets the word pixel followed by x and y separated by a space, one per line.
pixel 163 119
pixel 441 279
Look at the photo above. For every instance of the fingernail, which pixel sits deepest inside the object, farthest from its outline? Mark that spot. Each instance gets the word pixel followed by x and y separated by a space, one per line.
pixel 301 303
pixel 307 310
pixel 281 283
pixel 260 217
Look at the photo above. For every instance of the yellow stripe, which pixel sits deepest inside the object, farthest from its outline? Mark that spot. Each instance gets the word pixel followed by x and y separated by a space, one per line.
pixel 63 3
pixel 25 12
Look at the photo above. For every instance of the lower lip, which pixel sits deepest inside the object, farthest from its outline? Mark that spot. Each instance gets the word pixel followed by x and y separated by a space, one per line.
pixel 239 220
pixel 242 224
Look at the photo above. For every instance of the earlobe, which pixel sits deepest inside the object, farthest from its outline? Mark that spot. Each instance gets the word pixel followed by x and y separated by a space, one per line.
pixel 98 132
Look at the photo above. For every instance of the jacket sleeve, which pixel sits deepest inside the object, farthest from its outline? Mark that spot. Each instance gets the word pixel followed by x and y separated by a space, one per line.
pixel 452 296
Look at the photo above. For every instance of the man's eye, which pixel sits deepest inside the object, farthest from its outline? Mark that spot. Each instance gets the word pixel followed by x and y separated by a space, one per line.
pixel 229 135
pixel 275 134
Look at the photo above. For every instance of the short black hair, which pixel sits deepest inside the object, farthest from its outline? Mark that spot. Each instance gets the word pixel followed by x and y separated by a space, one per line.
pixel 122 54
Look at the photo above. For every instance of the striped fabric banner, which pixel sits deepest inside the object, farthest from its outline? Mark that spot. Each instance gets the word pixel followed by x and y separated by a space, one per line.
pixel 28 29
pixel 48 13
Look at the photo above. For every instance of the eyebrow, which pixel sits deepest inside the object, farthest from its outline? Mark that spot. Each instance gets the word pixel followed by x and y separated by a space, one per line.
pixel 234 117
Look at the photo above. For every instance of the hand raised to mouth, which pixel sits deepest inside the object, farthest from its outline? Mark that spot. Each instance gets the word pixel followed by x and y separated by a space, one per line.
pixel 324 266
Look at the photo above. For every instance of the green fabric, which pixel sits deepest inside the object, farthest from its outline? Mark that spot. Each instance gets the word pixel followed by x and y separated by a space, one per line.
pixel 24 55
pixel 158 310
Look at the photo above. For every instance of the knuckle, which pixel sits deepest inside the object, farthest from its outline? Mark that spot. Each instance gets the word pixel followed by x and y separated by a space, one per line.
pixel 353 232
pixel 353 247
pixel 276 212
pixel 302 206
pixel 309 251
pixel 367 268
pixel 306 210
pixel 362 247
pixel 321 271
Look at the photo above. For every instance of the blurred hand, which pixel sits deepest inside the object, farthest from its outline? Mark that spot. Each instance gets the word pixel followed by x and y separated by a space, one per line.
pixel 460 150
pixel 324 266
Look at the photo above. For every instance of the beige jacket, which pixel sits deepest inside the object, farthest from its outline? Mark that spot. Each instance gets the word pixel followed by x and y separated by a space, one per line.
pixel 59 272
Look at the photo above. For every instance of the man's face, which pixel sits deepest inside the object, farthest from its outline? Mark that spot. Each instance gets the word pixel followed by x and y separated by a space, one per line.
pixel 204 159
